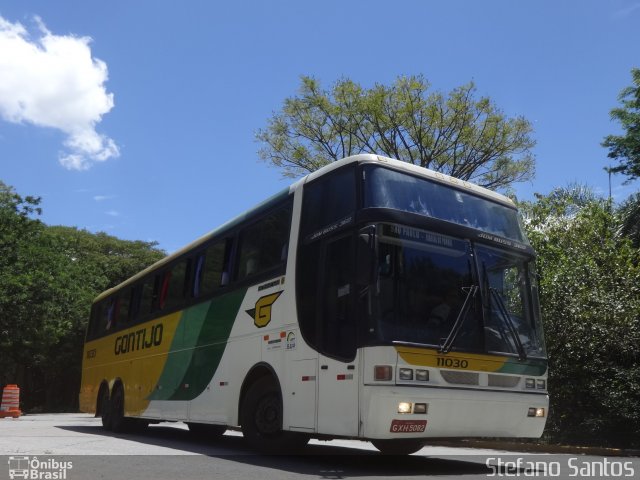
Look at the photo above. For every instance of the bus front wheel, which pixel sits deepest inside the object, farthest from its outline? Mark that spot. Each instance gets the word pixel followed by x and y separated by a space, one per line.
pixel 261 419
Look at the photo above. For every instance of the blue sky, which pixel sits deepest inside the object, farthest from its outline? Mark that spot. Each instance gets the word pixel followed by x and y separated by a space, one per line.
pixel 147 129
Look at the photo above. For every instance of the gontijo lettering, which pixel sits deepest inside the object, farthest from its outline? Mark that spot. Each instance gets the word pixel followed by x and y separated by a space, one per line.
pixel 139 340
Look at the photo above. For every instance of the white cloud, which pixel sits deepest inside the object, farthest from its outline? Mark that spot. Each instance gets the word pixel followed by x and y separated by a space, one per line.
pixel 112 213
pixel 102 198
pixel 53 81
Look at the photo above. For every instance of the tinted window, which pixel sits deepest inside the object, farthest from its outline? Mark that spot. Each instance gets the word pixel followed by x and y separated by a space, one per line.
pixel 174 285
pixel 390 189
pixel 263 245
pixel 146 297
pixel 123 308
pixel 212 268
pixel 328 202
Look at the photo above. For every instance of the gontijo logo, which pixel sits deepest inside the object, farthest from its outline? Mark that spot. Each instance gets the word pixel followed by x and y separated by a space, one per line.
pixel 261 314
pixel 33 468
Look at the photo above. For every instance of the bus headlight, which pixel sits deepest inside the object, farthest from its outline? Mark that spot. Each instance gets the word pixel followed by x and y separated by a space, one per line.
pixel 404 407
pixel 422 375
pixel 405 374
pixel 535 412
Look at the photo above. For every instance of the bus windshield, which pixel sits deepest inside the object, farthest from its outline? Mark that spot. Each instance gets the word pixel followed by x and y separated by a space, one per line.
pixel 391 189
pixel 429 291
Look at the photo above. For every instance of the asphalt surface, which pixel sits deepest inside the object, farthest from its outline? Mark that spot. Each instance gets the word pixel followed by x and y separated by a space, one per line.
pixel 74 446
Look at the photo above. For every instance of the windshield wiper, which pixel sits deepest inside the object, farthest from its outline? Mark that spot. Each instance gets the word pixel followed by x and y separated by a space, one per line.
pixel 502 308
pixel 466 306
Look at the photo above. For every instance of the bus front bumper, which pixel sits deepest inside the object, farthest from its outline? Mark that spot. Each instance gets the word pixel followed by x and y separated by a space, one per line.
pixel 451 412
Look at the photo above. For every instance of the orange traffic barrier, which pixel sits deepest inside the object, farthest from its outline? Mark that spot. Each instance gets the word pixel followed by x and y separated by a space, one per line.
pixel 10 406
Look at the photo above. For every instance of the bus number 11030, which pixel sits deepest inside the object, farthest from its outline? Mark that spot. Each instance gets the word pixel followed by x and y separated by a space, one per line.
pixel 452 363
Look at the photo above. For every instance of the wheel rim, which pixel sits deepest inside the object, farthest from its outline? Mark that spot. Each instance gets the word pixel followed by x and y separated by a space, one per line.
pixel 268 416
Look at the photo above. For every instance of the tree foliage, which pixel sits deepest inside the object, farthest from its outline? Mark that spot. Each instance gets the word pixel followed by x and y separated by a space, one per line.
pixel 626 148
pixel 457 134
pixel 590 299
pixel 629 219
pixel 48 279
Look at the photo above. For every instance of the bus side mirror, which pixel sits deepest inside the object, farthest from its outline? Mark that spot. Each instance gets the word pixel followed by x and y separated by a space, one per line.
pixel 366 256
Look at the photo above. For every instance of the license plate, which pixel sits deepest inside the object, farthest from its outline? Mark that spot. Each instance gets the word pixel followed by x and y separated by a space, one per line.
pixel 408 426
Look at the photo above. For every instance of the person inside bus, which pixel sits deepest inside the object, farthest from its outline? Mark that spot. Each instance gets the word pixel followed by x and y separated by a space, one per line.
pixel 439 315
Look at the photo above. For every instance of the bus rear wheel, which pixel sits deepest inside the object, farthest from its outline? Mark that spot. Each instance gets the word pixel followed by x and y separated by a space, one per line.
pixel 261 419
pixel 104 405
pixel 118 422
pixel 398 447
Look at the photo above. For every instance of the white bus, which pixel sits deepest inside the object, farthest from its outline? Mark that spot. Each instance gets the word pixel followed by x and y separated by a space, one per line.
pixel 372 299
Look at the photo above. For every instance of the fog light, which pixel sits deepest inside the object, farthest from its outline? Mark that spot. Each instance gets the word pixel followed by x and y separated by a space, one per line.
pixel 404 407
pixel 382 373
pixel 420 408
pixel 530 383
pixel 405 374
pixel 422 375
pixel 541 384
pixel 535 412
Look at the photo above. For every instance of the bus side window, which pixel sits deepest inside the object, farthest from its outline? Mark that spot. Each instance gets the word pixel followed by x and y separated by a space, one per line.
pixel 174 286
pixel 263 244
pixel 110 314
pixel 213 268
pixel 123 308
pixel 94 322
pixel 162 289
pixel 134 303
pixel 197 275
pixel 146 297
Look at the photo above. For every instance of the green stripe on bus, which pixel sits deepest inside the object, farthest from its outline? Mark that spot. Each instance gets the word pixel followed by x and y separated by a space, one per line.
pixel 198 347
pixel 531 367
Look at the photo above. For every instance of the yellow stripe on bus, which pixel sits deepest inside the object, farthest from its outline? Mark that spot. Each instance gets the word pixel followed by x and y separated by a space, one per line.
pixel 142 350
pixel 464 361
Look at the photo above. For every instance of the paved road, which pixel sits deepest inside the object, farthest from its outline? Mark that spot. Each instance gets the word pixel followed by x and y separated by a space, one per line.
pixel 45 444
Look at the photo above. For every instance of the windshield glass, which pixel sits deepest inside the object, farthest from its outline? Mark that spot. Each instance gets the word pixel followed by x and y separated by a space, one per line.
pixel 423 281
pixel 511 320
pixel 448 293
pixel 390 189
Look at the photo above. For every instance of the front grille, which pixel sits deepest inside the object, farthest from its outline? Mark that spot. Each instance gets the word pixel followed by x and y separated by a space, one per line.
pixel 504 381
pixel 460 378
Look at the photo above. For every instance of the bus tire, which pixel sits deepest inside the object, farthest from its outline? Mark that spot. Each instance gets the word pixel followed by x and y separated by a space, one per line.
pixel 205 431
pixel 261 419
pixel 119 423
pixel 398 447
pixel 104 405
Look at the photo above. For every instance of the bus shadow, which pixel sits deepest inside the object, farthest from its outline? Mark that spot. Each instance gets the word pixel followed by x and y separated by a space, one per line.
pixel 323 461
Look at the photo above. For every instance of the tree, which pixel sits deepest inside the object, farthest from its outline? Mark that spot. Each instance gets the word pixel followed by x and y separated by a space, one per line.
pixel 590 302
pixel 48 278
pixel 626 148
pixel 629 217
pixel 457 134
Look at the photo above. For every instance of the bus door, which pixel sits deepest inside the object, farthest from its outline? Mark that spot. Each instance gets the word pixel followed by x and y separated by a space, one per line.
pixel 337 362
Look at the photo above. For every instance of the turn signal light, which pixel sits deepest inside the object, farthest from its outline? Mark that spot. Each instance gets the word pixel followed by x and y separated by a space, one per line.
pixel 383 373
